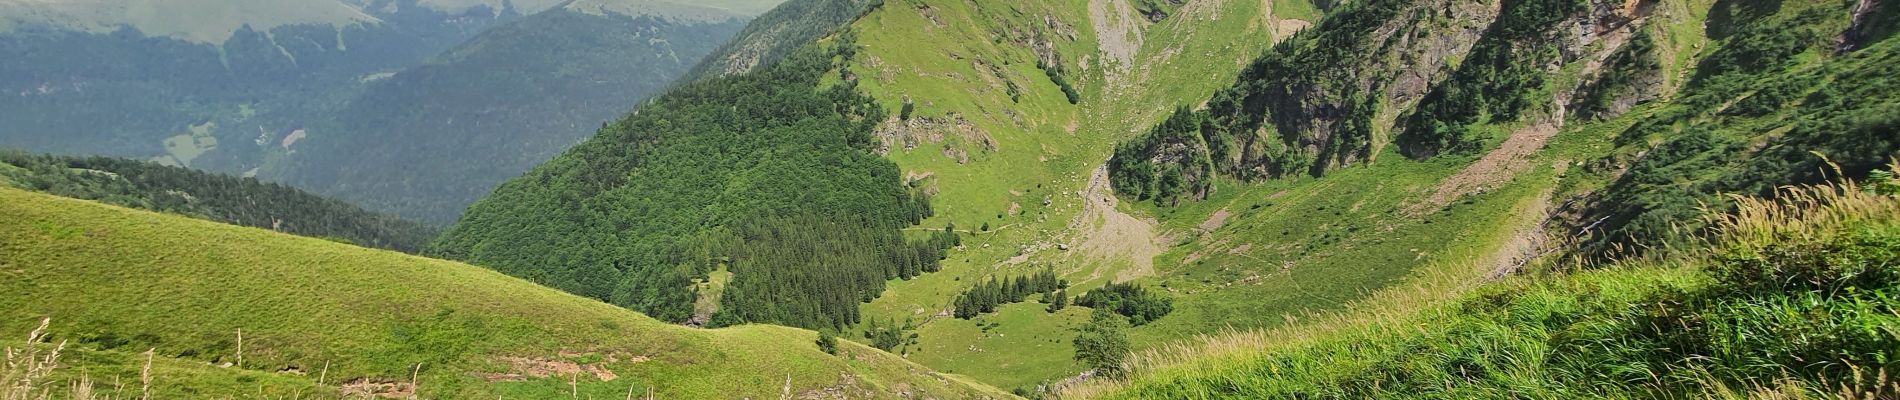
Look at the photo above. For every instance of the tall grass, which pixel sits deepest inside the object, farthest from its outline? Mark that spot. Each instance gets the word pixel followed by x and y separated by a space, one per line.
pixel 28 374
pixel 27 368
pixel 1797 296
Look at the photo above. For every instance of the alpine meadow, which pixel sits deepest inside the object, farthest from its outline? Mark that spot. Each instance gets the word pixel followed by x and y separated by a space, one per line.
pixel 949 199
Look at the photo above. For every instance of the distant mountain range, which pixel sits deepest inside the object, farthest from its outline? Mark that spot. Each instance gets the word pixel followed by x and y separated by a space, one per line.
pixel 328 94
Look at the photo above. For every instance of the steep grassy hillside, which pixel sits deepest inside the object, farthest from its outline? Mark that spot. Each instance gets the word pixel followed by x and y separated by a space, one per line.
pixel 1014 163
pixel 1791 299
pixel 222 198
pixel 1393 144
pixel 321 319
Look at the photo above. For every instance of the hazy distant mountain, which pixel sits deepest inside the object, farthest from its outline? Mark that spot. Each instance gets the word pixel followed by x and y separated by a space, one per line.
pixel 428 141
pixel 211 84
pixel 238 86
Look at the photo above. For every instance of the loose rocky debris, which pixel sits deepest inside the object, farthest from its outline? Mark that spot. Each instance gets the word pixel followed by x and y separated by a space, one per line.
pixel 522 368
pixel 367 388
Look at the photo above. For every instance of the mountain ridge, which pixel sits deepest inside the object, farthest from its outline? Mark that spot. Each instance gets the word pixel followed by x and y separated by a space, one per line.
pixel 199 21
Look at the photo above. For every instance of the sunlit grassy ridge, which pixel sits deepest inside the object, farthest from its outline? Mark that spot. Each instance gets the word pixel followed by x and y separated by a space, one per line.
pixel 117 282
pixel 1791 300
pixel 1388 235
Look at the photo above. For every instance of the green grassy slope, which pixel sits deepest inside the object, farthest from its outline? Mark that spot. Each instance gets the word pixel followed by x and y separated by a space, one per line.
pixel 118 281
pixel 1791 300
pixel 993 160
pixel 1277 253
pixel 1377 242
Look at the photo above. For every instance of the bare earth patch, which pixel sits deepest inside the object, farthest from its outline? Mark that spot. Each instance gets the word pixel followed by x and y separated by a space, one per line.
pixel 293 137
pixel 1119 35
pixel 520 368
pixel 1109 235
pixel 365 388
pixel 1215 221
pixel 1491 170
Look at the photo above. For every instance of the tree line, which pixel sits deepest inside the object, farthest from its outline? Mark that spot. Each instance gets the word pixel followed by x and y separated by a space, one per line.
pixel 1140 305
pixel 216 197
pixel 984 297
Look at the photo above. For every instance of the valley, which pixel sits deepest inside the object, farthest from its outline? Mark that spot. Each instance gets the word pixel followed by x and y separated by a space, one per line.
pixel 1017 199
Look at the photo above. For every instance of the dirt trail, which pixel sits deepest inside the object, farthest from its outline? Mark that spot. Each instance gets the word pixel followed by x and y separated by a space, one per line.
pixel 1111 236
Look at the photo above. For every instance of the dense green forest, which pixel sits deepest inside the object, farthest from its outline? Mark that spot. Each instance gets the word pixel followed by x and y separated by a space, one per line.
pixel 769 174
pixel 430 140
pixel 222 198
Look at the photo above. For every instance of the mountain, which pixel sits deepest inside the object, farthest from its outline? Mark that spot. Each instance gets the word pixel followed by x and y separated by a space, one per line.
pixel 208 22
pixel 228 311
pixel 741 7
pixel 427 141
pixel 317 93
pixel 1218 199
pixel 1225 165
pixel 222 198
pixel 768 175
pixel 776 33
pixel 208 84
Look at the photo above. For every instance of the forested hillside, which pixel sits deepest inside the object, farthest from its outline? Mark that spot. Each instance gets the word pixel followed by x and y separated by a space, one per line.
pixel 430 140
pixel 769 175
pixel 222 198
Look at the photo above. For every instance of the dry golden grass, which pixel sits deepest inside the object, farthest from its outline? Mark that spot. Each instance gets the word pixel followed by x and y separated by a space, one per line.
pixel 28 374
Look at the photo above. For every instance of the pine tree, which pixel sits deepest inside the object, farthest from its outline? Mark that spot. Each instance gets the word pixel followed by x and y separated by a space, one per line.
pixel 827 343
